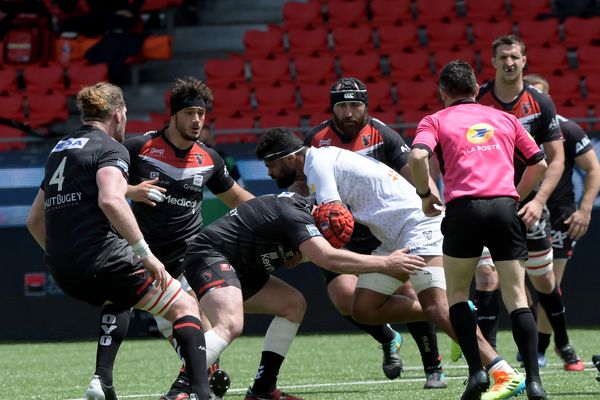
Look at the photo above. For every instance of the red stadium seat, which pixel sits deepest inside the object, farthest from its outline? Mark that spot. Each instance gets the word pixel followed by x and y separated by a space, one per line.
pixel 380 94
pixel 275 98
pixel 588 58
pixel 224 72
pixel 346 13
pixel 404 65
pixel 139 127
pixel 390 12
pixel 529 9
pixel 592 87
pixel 415 94
pixel 230 101
pixel 159 5
pixel 315 68
pixel 484 33
pixel 300 15
pixel 581 31
pixel 443 57
pixel 445 35
pixel 82 74
pixel 477 10
pixel 44 78
pixel 397 38
pixel 10 132
pixel 576 112
pixel 305 42
pixel 314 98
pixel 8 80
pixel 269 70
pixel 435 11
pixel 565 88
pixel 11 107
pixel 317 118
pixel 283 120
pixel 537 33
pixel 259 43
pixel 237 124
pixel 543 60
pixel 351 40
pixel 45 109
pixel 387 117
pixel 412 118
pixel 361 66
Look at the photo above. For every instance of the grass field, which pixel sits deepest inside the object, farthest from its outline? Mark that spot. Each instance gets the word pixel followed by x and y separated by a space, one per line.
pixel 337 367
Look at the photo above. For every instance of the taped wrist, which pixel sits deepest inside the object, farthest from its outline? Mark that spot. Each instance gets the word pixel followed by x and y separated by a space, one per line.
pixel 141 249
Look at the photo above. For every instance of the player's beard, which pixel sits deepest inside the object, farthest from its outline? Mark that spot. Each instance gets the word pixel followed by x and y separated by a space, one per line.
pixel 349 127
pixel 187 134
pixel 287 179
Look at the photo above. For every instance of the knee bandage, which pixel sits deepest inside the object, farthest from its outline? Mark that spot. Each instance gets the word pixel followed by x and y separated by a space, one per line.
pixel 379 283
pixel 162 301
pixel 539 262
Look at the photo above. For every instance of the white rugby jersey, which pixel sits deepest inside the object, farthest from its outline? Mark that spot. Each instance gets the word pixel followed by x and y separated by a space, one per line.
pixel 378 196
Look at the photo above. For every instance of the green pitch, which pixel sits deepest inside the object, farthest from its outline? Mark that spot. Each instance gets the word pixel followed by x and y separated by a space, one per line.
pixel 328 367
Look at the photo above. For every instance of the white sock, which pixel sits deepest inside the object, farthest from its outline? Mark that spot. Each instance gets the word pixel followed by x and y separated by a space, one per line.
pixel 280 335
pixel 215 345
pixel 502 366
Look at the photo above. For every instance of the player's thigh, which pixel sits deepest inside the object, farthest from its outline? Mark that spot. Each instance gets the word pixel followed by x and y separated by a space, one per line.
pixel 277 298
pixel 341 290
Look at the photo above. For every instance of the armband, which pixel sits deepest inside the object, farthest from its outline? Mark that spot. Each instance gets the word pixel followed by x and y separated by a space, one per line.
pixel 424 195
pixel 141 249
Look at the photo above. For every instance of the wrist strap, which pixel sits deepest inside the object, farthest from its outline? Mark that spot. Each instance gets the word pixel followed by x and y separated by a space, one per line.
pixel 141 249
pixel 424 195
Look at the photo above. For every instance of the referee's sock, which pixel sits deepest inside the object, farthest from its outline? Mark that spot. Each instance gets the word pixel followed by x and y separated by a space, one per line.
pixel 114 323
pixel 465 328
pixel 488 308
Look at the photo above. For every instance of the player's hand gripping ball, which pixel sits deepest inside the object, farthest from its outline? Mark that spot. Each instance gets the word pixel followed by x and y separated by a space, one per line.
pixel 335 222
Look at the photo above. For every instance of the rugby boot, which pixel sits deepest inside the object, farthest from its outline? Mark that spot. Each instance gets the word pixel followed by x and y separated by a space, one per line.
pixel 535 391
pixel 219 382
pixel 435 380
pixel 97 390
pixel 570 359
pixel 392 363
pixel 506 385
pixel 276 394
pixel 477 383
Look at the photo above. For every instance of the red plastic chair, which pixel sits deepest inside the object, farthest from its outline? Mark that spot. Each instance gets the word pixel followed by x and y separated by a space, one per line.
pixel 285 120
pixel 318 117
pixel 159 5
pixel 477 10
pixel 443 57
pixel 361 66
pixel 138 127
pixel 412 117
pixel 445 35
pixel 484 33
pixel 544 60
pixel 307 41
pixel 300 15
pixel 230 101
pixel 588 58
pixel 565 88
pixel 314 98
pixel 575 112
pixel 351 40
pixel 275 98
pixel 224 72
pixel 258 43
pixel 11 107
pixel 315 68
pixel 592 87
pixel 10 132
pixel 44 78
pixel 45 109
pixel 387 117
pixel 537 33
pixel 415 94
pixel 390 12
pixel 346 13
pixel 581 31
pixel 82 74
pixel 269 70
pixel 394 38
pixel 380 94
pixel 405 65
pixel 438 10
pixel 529 9
pixel 8 80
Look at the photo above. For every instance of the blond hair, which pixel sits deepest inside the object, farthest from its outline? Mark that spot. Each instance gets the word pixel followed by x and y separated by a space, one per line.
pixel 98 102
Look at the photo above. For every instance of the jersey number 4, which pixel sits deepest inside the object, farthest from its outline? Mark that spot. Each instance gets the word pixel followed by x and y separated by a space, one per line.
pixel 58 176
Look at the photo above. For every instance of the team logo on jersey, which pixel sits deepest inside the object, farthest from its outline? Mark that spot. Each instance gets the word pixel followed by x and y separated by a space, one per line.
pixel 581 144
pixel 157 152
pixel 206 276
pixel 428 234
pixel 199 158
pixel 526 108
pixel 366 139
pixel 225 267
pixel 154 174
pixel 123 165
pixel 324 142
pixel 480 133
pixel 198 180
pixel 313 231
pixel 70 143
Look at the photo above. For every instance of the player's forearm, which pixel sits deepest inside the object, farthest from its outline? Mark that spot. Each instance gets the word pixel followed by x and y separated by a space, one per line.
pixel 551 178
pixel 36 223
pixel 531 178
pixel 347 262
pixel 419 169
pixel 591 186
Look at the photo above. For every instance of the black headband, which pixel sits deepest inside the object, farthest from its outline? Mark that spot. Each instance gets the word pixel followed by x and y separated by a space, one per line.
pixel 283 153
pixel 179 104
pixel 340 96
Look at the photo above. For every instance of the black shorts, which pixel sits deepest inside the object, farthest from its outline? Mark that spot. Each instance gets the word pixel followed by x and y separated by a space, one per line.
pixel 122 284
pixel 208 270
pixel 562 244
pixel 172 257
pixel 470 224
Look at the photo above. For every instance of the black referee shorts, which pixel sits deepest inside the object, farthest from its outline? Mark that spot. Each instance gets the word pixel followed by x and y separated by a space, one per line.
pixel 471 223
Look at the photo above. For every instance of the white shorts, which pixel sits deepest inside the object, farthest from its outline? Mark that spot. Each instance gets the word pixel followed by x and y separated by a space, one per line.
pixel 424 238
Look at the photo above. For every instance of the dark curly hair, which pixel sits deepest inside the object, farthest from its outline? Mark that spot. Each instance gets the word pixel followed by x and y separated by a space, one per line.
pixel 276 140
pixel 189 87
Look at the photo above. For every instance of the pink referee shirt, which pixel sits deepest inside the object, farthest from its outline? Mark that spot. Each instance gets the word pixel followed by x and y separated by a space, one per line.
pixel 476 146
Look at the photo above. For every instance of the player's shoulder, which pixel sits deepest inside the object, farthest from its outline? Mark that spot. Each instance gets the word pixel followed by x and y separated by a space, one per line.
pixel 318 131
pixel 140 140
pixel 570 129
pixel 543 99
pixel 485 88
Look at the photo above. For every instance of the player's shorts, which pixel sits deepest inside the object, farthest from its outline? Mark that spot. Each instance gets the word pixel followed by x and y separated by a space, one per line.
pixel 471 223
pixel 562 244
pixel 424 238
pixel 207 270
pixel 172 256
pixel 123 284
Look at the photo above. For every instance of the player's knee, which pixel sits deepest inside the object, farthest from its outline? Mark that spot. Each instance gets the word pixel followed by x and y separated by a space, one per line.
pixel 295 307
pixel 341 299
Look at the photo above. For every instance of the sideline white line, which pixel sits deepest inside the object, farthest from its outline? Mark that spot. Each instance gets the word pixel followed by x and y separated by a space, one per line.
pixel 543 372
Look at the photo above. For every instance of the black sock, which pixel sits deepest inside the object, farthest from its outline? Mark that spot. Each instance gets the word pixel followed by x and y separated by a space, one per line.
pixel 424 334
pixel 465 328
pixel 113 329
pixel 488 307
pixel 555 311
pixel 543 342
pixel 382 333
pixel 525 335
pixel 188 339
pixel 268 370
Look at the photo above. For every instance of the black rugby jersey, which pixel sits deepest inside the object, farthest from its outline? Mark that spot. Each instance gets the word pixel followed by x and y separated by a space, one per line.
pixel 375 140
pixel 262 233
pixel 184 173
pixel 576 143
pixel 79 238
pixel 534 109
